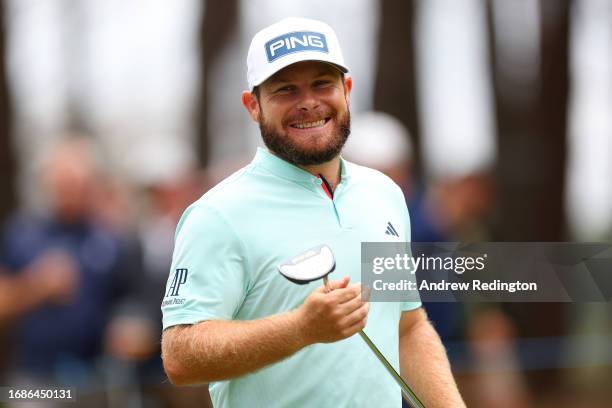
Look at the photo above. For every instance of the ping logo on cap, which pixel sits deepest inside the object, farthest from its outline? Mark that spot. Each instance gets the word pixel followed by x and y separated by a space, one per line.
pixel 295 42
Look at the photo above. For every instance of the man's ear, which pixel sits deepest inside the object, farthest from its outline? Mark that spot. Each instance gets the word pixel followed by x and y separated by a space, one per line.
pixel 249 100
pixel 348 86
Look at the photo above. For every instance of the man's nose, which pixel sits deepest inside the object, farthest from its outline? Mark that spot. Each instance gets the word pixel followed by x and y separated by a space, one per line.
pixel 308 100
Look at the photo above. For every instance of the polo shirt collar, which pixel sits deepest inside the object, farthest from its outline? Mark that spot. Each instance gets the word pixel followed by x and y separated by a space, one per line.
pixel 281 168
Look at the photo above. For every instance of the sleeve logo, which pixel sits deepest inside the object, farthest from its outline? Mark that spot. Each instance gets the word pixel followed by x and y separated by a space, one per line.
pixel 180 277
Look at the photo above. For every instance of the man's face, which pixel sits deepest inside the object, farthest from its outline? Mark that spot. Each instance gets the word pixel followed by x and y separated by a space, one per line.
pixel 303 112
pixel 69 180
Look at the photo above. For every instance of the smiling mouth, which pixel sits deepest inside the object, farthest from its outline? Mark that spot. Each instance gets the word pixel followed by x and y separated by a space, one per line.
pixel 310 125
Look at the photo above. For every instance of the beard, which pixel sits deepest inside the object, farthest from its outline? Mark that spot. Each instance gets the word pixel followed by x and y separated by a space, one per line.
pixel 283 146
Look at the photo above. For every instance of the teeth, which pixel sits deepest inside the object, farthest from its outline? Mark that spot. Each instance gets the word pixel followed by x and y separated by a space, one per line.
pixel 308 125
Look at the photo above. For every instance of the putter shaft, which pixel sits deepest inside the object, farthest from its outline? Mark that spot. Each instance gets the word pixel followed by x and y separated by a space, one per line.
pixel 409 395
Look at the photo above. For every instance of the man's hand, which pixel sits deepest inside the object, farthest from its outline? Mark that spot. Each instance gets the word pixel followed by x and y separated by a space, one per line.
pixel 131 338
pixel 54 276
pixel 333 313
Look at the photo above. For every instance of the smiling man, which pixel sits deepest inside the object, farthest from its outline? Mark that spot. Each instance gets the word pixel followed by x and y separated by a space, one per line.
pixel 230 319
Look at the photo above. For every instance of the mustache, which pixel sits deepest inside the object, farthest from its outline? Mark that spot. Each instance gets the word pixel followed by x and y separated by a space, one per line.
pixel 312 116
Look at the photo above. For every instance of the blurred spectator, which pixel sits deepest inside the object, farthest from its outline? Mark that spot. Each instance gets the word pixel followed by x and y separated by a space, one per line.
pixel 135 373
pixel 167 201
pixel 146 220
pixel 115 204
pixel 81 268
pixel 492 346
pixel 464 205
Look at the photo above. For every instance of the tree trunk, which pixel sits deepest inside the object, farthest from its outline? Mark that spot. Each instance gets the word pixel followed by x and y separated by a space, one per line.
pixel 532 145
pixel 532 141
pixel 7 160
pixel 395 90
pixel 219 22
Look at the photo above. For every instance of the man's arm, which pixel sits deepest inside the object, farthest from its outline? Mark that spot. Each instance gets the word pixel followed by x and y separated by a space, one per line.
pixel 49 279
pixel 216 350
pixel 16 297
pixel 424 364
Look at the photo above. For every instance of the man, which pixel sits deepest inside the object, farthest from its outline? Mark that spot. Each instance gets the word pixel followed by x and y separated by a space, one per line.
pixel 70 271
pixel 230 318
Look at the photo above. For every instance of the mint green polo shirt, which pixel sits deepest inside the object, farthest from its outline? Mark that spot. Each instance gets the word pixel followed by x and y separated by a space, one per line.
pixel 227 248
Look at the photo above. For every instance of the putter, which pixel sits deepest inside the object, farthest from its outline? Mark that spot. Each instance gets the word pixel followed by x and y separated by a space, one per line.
pixel 318 262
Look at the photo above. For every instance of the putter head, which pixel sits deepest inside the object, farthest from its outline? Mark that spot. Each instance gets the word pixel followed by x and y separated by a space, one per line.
pixel 309 266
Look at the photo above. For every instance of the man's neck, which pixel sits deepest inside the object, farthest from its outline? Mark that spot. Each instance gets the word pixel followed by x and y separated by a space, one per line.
pixel 329 170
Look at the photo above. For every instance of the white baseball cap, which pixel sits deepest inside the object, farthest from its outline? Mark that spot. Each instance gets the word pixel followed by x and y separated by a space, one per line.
pixel 378 140
pixel 289 41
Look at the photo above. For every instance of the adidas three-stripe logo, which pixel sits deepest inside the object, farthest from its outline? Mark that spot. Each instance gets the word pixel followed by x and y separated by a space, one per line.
pixel 391 230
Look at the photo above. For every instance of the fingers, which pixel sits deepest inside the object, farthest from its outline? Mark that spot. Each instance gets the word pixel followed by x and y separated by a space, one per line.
pixel 350 306
pixel 358 318
pixel 346 294
pixel 338 284
pixel 342 294
pixel 335 315
pixel 339 292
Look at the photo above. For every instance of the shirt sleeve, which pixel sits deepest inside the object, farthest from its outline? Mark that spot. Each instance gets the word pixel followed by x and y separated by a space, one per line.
pixel 208 275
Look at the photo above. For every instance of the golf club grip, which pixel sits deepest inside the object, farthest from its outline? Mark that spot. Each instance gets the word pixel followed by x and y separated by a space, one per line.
pixel 409 395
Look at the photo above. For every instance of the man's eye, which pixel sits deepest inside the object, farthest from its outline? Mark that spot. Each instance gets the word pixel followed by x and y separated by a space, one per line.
pixel 322 83
pixel 284 89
